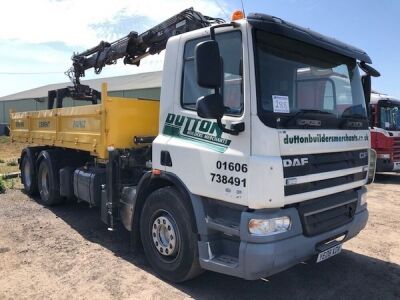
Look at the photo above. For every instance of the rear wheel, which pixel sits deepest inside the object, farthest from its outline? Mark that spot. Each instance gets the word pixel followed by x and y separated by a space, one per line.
pixel 48 179
pixel 28 173
pixel 168 236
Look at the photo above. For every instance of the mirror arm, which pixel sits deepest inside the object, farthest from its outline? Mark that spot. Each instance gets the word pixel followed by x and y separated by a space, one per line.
pixel 237 127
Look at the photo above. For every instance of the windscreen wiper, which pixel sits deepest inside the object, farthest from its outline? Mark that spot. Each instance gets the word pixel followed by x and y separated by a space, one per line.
pixel 347 120
pixel 354 116
pixel 306 111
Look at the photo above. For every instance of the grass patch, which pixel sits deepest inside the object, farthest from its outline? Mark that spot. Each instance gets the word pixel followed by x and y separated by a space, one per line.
pixel 4 139
pixel 13 184
pixel 12 163
pixel 9 153
pixel 10 184
pixel 8 150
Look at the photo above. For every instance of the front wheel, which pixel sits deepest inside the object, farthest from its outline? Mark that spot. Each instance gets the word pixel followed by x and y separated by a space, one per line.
pixel 168 236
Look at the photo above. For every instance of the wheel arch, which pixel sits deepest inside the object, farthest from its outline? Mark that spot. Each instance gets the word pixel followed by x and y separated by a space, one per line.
pixel 44 154
pixel 33 151
pixel 150 183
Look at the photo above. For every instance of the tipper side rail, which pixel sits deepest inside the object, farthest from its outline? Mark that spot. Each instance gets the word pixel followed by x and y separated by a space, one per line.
pixel 115 122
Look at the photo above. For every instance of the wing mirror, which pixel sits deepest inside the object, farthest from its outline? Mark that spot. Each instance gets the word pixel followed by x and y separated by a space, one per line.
pixel 366 84
pixel 208 65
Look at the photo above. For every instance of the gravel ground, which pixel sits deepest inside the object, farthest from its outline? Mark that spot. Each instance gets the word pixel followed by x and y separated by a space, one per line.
pixel 67 253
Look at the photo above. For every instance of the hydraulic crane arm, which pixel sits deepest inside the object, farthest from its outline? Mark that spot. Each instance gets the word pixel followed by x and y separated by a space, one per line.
pixel 134 47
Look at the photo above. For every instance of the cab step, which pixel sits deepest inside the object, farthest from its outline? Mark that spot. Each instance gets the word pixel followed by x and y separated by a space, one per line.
pixel 224 226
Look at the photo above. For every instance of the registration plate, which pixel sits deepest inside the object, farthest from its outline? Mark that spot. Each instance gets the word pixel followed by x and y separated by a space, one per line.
pixel 329 253
pixel 396 166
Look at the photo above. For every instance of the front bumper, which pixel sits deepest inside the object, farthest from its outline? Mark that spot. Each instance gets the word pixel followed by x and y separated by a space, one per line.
pixel 260 257
pixel 384 165
pixel 261 260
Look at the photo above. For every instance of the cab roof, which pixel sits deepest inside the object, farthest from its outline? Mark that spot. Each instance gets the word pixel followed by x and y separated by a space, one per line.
pixel 278 26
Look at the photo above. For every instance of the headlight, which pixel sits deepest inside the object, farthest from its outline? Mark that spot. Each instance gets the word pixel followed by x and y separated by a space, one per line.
pixel 372 166
pixel 363 199
pixel 384 155
pixel 263 227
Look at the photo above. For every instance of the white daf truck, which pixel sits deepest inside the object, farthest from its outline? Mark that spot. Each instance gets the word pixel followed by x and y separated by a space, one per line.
pixel 254 167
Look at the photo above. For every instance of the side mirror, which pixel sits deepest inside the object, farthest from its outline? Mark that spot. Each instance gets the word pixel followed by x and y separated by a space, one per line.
pixel 368 69
pixel 210 107
pixel 366 84
pixel 208 65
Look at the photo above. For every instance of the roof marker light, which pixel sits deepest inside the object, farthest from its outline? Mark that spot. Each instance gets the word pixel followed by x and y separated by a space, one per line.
pixel 237 15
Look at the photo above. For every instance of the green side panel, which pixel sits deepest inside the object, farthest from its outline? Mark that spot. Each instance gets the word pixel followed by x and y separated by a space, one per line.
pixel 19 105
pixel 42 104
pixel 81 102
pixel 67 102
pixel 116 94
pixel 153 93
pixel 32 105
pixel 2 113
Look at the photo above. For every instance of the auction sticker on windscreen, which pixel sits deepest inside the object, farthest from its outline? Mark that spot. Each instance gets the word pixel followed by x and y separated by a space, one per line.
pixel 281 104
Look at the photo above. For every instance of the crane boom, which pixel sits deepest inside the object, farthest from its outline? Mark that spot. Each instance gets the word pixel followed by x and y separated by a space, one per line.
pixel 132 48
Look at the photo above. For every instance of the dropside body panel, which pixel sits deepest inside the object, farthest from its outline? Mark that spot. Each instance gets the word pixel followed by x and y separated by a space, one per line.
pixel 92 128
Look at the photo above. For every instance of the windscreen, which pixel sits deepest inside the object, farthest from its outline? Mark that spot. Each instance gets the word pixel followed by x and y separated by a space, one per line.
pixel 303 86
pixel 390 116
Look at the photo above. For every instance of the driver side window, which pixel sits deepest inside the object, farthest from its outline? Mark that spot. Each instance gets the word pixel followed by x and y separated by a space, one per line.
pixel 230 46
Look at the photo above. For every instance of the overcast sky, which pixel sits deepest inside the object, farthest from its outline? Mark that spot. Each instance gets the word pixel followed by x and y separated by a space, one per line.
pixel 37 38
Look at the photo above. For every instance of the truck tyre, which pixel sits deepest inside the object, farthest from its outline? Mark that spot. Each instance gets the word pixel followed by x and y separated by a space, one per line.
pixel 28 173
pixel 48 179
pixel 168 235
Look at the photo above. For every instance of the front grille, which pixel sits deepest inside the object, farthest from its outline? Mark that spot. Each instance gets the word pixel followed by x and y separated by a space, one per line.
pixel 323 184
pixel 325 162
pixel 396 149
pixel 327 213
pixel 302 165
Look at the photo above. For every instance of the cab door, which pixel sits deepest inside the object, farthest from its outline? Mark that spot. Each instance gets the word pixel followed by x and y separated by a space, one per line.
pixel 209 162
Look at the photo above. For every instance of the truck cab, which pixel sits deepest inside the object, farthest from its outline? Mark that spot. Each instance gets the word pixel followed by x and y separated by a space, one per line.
pixel 385 131
pixel 291 183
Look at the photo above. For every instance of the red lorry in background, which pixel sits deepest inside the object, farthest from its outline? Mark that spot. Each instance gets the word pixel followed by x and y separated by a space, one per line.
pixel 385 131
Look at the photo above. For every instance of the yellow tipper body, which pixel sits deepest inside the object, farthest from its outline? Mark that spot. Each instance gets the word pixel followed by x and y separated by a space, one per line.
pixel 93 128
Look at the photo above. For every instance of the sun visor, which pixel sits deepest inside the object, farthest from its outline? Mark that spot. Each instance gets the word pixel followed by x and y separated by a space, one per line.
pixel 278 26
